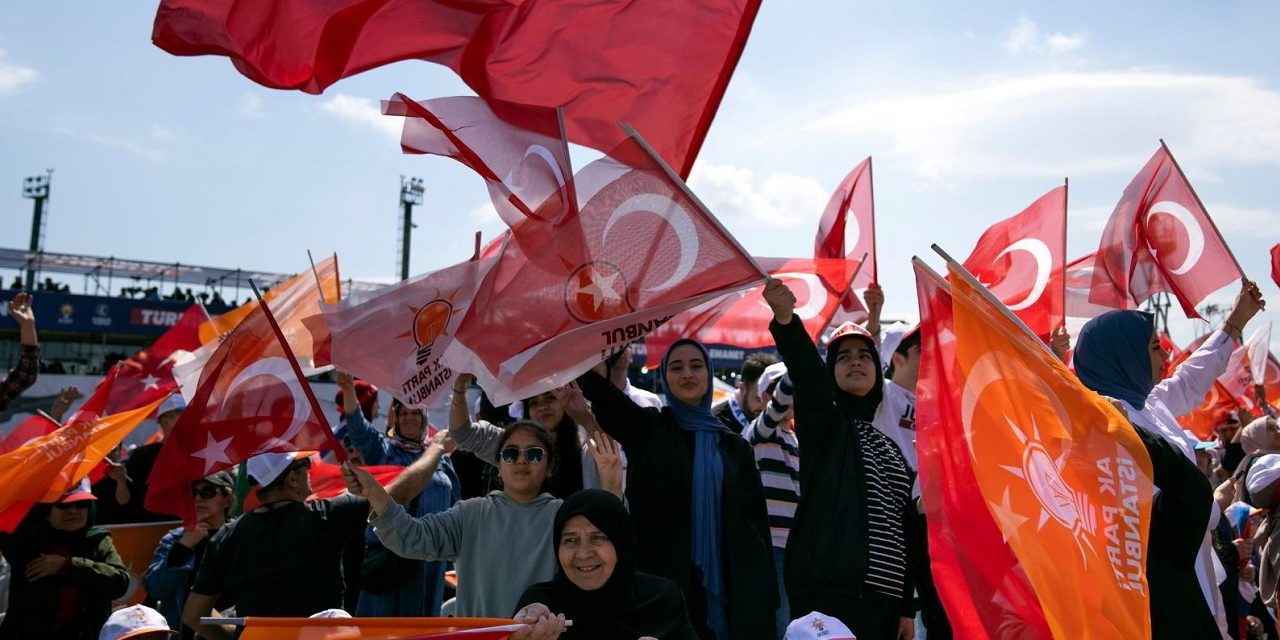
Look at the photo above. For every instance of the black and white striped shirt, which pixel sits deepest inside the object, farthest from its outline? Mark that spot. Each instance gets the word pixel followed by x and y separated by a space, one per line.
pixel 888 492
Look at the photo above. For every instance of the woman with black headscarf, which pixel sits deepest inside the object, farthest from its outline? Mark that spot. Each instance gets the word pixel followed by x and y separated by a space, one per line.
pixel 695 495
pixel 847 554
pixel 1119 355
pixel 597 585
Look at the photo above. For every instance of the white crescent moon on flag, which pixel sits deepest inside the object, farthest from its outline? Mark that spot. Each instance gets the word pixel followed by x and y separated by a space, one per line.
pixel 1044 268
pixel 546 156
pixel 280 369
pixel 1195 235
pixel 817 299
pixel 681 224
pixel 984 372
pixel 852 231
pixel 1085 273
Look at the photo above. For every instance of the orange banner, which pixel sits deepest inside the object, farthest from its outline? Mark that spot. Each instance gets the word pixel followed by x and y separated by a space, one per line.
pixel 375 628
pixel 1063 473
pixel 136 544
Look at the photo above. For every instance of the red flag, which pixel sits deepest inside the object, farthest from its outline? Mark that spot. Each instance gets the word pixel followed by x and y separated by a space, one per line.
pixel 1078 281
pixel 519 150
pixel 980 581
pixel 1160 239
pixel 641 249
pixel 742 319
pixel 148 374
pixel 252 398
pixel 395 338
pixel 1204 419
pixel 1021 260
pixel 33 427
pixel 1275 264
pixel 847 228
pixel 661 65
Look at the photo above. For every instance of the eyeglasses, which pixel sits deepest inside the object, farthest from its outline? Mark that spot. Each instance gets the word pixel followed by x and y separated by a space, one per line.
pixel 532 455
pixel 205 492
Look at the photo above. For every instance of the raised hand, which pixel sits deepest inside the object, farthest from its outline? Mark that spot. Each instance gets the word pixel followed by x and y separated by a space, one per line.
pixel 1060 342
pixel 194 536
pixel 1248 303
pixel 576 405
pixel 780 298
pixel 607 454
pixel 20 311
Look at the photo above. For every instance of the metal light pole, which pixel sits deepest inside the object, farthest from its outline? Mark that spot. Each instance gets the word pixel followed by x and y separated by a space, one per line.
pixel 410 194
pixel 37 189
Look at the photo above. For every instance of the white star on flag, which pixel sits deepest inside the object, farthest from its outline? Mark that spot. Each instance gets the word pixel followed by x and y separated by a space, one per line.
pixel 214 451
pixel 150 382
pixel 600 286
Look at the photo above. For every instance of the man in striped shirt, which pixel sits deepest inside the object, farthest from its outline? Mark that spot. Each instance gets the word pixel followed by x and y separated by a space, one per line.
pixel 773 438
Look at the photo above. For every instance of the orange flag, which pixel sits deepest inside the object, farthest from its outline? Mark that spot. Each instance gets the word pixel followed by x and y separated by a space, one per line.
pixel 1064 476
pixel 44 468
pixel 377 628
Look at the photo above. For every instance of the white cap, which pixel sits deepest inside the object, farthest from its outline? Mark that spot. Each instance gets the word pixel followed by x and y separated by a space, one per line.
pixel 331 613
pixel 264 468
pixel 771 374
pixel 1261 476
pixel 134 621
pixel 817 626
pixel 174 402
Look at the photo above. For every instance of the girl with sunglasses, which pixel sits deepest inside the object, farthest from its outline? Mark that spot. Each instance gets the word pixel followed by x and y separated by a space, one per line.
pixel 500 543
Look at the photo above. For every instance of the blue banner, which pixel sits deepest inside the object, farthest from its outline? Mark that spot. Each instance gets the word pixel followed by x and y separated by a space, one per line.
pixel 96 314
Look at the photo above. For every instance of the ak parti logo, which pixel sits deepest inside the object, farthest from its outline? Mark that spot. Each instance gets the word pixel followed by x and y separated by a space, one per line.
pixel 429 323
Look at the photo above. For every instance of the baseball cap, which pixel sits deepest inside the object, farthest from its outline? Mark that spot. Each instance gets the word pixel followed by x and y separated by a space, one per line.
pixel 134 621
pixel 331 613
pixel 174 402
pixel 264 468
pixel 79 493
pixel 220 479
pixel 770 375
pixel 818 626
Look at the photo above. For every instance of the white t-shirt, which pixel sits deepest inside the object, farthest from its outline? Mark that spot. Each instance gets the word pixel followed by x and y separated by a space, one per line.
pixel 896 418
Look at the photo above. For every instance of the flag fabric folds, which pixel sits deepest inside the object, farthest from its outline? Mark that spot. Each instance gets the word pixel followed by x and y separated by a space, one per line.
pixel 252 398
pixel 847 228
pixel 43 469
pixel 1275 264
pixel 35 426
pixel 148 374
pixel 395 337
pixel 1022 261
pixel 1160 239
pixel 1063 475
pixel 563 297
pixel 519 150
pixel 661 65
pixel 741 319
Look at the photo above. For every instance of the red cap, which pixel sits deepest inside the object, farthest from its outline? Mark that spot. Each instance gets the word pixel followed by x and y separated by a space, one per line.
pixel 848 330
pixel 366 395
pixel 78 493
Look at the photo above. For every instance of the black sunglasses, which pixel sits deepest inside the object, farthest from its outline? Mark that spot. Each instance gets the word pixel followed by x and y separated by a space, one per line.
pixel 205 492
pixel 532 455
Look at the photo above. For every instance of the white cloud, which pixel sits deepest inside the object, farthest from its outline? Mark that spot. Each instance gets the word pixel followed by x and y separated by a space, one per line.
pixel 777 199
pixel 364 112
pixel 14 75
pixel 1026 37
pixel 116 142
pixel 1240 222
pixel 1067 124
pixel 250 106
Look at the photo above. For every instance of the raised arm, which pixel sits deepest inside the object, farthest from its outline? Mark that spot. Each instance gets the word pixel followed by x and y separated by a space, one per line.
pixel 24 375
pixel 415 478
pixel 814 391
pixel 435 536
pixel 1186 388
pixel 617 414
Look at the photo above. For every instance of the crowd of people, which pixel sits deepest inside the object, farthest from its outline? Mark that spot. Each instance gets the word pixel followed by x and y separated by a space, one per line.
pixel 599 510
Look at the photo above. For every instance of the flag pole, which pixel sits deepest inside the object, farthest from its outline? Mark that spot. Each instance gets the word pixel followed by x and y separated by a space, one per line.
pixel 871 179
pixel 1213 225
pixel 982 290
pixel 571 195
pixel 684 188
pixel 338 452
pixel 1066 192
pixel 476 255
pixel 848 290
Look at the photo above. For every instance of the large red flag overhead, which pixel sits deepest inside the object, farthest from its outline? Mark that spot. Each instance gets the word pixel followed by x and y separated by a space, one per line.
pixel 252 398
pixel 661 65
pixel 1021 260
pixel 641 250
pixel 741 319
pixel 395 337
pixel 519 150
pixel 847 228
pixel 1160 239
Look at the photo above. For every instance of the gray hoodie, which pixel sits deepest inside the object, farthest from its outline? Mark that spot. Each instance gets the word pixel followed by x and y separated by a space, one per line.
pixel 499 546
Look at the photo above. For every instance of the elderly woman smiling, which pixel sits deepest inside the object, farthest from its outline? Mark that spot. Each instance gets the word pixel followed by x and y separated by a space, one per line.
pixel 597 585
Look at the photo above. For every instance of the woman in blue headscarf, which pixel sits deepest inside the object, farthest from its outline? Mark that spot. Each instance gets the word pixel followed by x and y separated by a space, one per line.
pixel 695 497
pixel 1119 355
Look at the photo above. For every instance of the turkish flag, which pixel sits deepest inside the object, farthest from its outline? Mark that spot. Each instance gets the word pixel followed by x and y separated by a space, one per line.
pixel 394 337
pixel 661 65
pixel 148 374
pixel 1079 282
pixel 519 150
pixel 1203 420
pixel 641 250
pixel 252 398
pixel 847 228
pixel 1258 351
pixel 1062 472
pixel 1237 379
pixel 1022 260
pixel 45 468
pixel 1159 239
pixel 741 319
pixel 33 427
pixel 291 301
pixel 1275 264
pixel 979 579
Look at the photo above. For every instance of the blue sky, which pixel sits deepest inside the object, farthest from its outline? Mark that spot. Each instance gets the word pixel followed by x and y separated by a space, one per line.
pixel 971 112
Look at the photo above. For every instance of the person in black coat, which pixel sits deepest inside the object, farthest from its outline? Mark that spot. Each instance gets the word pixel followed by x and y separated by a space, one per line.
pixel 695 497
pixel 851 543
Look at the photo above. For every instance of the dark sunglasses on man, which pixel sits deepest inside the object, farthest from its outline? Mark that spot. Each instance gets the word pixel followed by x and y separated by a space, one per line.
pixel 205 492
pixel 532 455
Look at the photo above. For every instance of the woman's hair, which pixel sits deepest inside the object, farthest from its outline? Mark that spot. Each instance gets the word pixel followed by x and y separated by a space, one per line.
pixel 393 418
pixel 535 429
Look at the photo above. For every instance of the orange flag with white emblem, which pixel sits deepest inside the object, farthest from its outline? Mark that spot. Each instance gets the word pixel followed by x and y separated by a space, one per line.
pixel 1062 472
